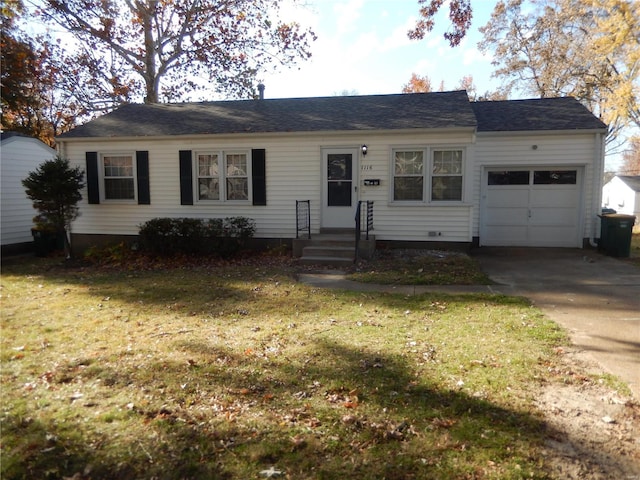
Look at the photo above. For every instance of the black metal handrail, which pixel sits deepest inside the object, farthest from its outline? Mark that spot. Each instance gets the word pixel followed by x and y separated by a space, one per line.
pixel 368 217
pixel 303 217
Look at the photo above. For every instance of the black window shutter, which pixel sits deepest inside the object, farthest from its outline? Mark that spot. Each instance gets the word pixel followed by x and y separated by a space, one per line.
pixel 142 171
pixel 259 176
pixel 93 180
pixel 186 178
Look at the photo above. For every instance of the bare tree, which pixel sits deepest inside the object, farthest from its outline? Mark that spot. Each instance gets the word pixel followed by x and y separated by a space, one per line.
pixel 167 50
pixel 588 50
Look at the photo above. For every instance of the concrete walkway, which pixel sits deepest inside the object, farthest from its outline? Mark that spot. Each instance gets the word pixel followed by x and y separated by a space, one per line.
pixel 595 297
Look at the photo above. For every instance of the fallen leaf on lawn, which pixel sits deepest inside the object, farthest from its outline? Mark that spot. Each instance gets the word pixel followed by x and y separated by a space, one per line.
pixel 443 422
pixel 349 419
pixel 298 442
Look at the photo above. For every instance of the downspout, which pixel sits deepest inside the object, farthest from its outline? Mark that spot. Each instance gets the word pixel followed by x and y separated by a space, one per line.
pixel 597 186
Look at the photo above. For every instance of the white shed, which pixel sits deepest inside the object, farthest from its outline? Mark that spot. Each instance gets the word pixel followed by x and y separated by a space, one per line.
pixel 19 155
pixel 622 193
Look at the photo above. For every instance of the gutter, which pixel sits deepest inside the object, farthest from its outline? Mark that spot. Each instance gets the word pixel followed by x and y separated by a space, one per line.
pixel 250 134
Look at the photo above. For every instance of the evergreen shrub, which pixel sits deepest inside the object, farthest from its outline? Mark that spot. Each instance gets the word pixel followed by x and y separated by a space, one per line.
pixel 215 236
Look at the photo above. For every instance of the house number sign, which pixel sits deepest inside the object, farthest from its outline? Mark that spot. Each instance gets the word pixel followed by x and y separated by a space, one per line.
pixel 366 168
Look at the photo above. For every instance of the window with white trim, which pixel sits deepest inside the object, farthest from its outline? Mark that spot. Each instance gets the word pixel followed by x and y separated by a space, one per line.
pixel 427 175
pixel 118 175
pixel 237 173
pixel 208 176
pixel 222 176
pixel 446 176
pixel 408 175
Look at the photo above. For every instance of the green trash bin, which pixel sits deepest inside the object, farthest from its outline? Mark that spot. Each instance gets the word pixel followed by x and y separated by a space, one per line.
pixel 615 234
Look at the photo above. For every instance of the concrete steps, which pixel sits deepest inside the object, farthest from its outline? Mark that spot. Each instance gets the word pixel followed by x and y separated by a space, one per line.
pixel 334 248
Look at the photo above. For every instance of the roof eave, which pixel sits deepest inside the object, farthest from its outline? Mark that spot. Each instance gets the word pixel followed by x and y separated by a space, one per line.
pixel 192 136
pixel 541 132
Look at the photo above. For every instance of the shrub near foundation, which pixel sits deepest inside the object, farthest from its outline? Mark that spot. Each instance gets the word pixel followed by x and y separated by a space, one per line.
pixel 215 236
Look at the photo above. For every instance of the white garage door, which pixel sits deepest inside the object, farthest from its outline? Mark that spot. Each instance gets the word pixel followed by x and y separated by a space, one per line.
pixel 533 207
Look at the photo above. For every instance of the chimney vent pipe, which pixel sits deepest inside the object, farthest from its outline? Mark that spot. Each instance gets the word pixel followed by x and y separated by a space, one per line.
pixel 261 91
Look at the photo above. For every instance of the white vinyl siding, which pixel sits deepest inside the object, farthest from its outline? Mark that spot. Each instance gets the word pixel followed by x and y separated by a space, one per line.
pixel 20 156
pixel 622 198
pixel 293 172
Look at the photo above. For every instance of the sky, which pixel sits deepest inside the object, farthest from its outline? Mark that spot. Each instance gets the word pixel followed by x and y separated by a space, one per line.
pixel 363 48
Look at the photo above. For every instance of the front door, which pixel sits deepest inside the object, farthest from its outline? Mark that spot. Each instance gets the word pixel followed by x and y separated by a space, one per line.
pixel 340 187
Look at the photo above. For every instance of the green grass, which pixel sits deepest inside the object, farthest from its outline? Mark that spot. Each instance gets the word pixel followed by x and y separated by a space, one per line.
pixel 419 267
pixel 223 371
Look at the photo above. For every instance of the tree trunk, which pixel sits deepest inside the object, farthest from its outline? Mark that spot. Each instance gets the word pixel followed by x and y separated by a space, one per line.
pixel 150 74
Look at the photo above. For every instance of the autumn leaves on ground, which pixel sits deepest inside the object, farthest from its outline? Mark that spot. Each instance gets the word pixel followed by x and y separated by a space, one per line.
pixel 235 370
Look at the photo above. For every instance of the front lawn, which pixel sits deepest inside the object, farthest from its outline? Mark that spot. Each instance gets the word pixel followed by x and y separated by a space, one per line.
pixel 420 267
pixel 235 371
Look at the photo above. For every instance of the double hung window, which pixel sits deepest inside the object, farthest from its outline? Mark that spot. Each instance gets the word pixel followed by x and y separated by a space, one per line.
pixel 118 172
pixel 427 175
pixel 446 175
pixel 208 177
pixel 408 179
pixel 222 175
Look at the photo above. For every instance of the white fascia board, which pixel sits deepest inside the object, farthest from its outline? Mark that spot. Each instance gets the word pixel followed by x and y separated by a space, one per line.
pixel 470 130
pixel 541 132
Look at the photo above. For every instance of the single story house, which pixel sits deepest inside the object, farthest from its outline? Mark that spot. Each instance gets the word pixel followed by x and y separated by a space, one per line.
pixel 19 155
pixel 433 168
pixel 622 194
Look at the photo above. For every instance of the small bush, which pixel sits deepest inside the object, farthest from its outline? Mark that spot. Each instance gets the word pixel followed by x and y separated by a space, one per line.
pixel 215 236
pixel 108 253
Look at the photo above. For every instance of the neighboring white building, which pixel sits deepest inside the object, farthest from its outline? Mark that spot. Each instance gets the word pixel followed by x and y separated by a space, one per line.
pixel 439 168
pixel 622 193
pixel 19 155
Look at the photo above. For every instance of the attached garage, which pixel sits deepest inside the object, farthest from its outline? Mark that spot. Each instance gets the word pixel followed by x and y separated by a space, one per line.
pixel 538 174
pixel 536 207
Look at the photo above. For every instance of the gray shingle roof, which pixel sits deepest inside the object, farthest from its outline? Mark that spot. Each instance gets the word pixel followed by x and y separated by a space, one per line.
pixel 633 181
pixel 356 113
pixel 564 113
pixel 370 112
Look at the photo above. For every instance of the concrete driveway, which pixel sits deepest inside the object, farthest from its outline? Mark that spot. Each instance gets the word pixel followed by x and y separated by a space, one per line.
pixel 595 297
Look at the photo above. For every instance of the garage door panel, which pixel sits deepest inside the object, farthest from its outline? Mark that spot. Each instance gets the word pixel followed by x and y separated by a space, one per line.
pixel 554 197
pixel 507 216
pixel 553 236
pixel 558 217
pixel 545 213
pixel 500 197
